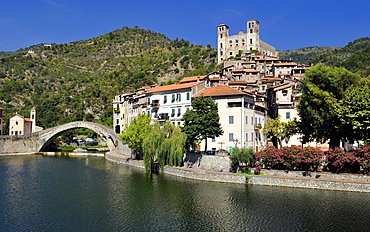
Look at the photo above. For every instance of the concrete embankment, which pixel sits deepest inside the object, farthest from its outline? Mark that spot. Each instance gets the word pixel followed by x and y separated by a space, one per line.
pixel 324 181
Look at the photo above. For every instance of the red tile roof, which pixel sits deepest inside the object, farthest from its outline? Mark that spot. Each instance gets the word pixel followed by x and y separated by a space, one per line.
pixel 173 87
pixel 241 82
pixel 246 70
pixel 192 79
pixel 285 64
pixel 220 90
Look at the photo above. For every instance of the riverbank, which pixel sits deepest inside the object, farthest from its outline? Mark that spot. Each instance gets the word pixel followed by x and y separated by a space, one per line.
pixel 269 178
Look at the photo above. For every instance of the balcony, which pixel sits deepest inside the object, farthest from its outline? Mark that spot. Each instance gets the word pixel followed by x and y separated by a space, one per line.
pixel 117 110
pixel 258 126
pixel 154 105
pixel 163 117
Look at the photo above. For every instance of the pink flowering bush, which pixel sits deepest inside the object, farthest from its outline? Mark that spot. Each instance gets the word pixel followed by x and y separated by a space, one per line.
pixel 311 159
pixel 291 158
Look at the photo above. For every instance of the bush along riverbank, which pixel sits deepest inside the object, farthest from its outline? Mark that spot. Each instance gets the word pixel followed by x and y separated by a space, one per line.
pixel 313 160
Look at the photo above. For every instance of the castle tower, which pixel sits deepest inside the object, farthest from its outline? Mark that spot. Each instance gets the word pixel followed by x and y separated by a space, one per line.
pixel 33 119
pixel 222 34
pixel 253 35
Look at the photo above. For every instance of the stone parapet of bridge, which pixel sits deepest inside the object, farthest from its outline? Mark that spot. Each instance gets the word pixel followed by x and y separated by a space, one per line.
pixel 39 141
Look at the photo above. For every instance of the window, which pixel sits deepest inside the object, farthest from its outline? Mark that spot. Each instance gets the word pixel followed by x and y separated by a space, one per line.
pixel 252 120
pixel 231 119
pixel 173 113
pixel 173 97
pixel 165 99
pixel 148 100
pixel 178 111
pixel 231 136
pixel 178 97
pixel 220 45
pixel 231 53
pixel 287 115
pixel 246 119
pixel 16 122
pixel 187 96
pixel 250 41
pixel 252 136
pixel 117 121
pixel 213 140
pixel 246 137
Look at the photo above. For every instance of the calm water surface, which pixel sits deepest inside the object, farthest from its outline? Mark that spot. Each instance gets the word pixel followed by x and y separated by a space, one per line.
pixel 91 194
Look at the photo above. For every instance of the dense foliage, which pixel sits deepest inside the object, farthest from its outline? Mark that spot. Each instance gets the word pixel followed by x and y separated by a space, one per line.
pixel 242 155
pixel 323 90
pixel 303 55
pixel 202 121
pixel 134 134
pixel 77 81
pixel 354 57
pixel 311 159
pixel 163 146
pixel 278 130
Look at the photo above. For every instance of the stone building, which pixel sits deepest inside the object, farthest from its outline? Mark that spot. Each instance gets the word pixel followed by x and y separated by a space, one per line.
pixel 19 125
pixel 242 43
pixel 1 120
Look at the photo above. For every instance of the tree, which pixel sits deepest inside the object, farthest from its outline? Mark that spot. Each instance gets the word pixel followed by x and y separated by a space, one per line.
pixel 134 134
pixel 241 155
pixel 278 130
pixel 202 121
pixel 322 90
pixel 355 113
pixel 164 146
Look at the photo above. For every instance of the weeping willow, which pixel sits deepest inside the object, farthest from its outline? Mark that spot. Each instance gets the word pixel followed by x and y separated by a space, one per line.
pixel 165 146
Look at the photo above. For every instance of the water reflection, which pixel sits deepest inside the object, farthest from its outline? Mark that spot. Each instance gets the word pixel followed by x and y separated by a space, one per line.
pixel 92 194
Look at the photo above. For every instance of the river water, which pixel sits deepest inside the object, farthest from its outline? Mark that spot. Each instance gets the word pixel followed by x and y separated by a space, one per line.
pixel 39 193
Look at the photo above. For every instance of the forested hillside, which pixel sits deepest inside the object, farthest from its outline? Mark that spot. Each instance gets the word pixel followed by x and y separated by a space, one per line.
pixel 303 55
pixel 355 57
pixel 77 81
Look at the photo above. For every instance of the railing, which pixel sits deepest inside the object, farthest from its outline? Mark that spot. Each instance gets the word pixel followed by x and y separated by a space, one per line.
pixel 154 105
pixel 258 126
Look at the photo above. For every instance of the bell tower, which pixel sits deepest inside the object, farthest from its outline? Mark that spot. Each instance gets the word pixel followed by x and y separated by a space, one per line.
pixel 222 33
pixel 253 35
pixel 33 119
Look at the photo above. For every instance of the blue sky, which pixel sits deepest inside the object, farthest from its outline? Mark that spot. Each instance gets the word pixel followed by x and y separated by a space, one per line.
pixel 288 24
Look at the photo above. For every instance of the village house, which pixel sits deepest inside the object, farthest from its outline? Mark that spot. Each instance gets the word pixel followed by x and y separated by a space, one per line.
pixel 240 118
pixel 2 115
pixel 19 125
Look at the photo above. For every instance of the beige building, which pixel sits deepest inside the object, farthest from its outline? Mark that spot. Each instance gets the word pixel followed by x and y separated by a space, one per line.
pixel 1 121
pixel 242 43
pixel 19 125
pixel 241 119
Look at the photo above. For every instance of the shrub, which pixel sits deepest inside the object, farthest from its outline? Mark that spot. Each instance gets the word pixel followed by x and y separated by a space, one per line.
pixel 242 156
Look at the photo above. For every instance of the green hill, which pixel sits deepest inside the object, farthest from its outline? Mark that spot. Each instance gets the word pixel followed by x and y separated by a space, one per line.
pixel 303 55
pixel 78 80
pixel 355 56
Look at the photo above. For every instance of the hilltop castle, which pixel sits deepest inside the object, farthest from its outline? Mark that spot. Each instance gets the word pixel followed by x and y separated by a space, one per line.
pixel 242 43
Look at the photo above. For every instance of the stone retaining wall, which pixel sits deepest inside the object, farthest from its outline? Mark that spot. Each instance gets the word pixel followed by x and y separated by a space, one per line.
pixel 319 175
pixel 190 173
pixel 275 178
pixel 309 183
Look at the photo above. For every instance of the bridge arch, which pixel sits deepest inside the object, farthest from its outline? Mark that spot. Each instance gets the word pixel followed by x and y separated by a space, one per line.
pixel 46 137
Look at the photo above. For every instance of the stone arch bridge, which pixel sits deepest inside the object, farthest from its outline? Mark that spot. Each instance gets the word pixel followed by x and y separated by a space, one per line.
pixel 39 141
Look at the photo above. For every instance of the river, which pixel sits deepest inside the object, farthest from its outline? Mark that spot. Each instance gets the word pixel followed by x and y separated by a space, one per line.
pixel 39 193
